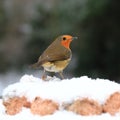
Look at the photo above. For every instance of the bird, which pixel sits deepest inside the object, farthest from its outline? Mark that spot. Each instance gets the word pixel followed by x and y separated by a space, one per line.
pixel 56 56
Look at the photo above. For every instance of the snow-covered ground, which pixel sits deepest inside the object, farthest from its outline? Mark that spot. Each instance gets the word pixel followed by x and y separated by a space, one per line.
pixel 68 89
pixel 60 91
pixel 25 114
pixel 13 76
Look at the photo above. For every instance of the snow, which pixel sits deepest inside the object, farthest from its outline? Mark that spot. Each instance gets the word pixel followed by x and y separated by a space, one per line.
pixel 25 114
pixel 60 91
pixel 13 76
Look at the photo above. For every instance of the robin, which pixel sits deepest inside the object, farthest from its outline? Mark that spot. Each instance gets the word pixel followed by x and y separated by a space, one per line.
pixel 57 56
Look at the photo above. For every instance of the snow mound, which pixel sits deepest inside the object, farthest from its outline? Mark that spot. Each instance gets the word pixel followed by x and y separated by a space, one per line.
pixel 61 99
pixel 62 90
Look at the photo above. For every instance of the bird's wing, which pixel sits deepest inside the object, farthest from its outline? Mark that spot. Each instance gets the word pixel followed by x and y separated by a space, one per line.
pixel 54 54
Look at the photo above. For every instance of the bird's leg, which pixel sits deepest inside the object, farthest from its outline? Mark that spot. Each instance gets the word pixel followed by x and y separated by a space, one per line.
pixel 61 75
pixel 44 75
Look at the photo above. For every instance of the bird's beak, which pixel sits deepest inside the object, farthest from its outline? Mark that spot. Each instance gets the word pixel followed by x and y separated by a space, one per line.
pixel 74 38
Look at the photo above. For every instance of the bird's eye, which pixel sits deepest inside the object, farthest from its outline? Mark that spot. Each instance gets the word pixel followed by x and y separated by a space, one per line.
pixel 64 38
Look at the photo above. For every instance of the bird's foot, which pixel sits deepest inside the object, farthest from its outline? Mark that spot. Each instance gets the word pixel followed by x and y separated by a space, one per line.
pixel 44 77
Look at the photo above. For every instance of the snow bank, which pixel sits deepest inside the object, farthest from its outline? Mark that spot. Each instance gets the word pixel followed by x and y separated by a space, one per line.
pixel 62 92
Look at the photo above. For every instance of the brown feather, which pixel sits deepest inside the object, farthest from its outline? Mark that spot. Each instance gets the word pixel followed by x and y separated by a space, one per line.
pixel 35 65
pixel 55 52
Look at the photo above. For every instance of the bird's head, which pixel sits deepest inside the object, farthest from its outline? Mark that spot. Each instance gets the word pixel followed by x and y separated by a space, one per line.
pixel 66 40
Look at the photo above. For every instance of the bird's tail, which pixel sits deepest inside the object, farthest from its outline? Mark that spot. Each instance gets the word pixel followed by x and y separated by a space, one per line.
pixel 35 66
